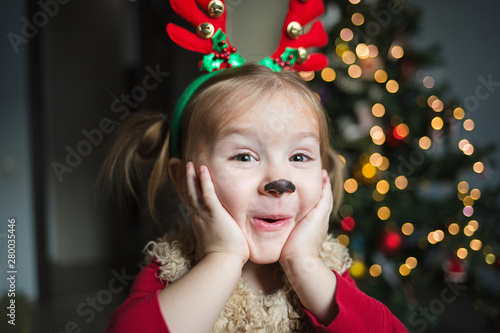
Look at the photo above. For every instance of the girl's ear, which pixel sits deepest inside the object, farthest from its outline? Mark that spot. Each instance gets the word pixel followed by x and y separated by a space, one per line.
pixel 177 172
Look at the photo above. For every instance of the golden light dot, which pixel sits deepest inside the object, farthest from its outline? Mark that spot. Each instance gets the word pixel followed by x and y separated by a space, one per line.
pixel 490 259
pixel 476 244
pixel 404 270
pixel 469 125
pixel 430 238
pixel 462 253
pixel 383 186
pixel 357 19
pixel 438 235
pixel 362 51
pixel 437 123
pixel 462 143
pixel 385 164
pixel 378 110
pixel 368 171
pixel 346 34
pixel 342 159
pixel 372 51
pixel 328 74
pixel 354 71
pixel 354 1
pixel 384 213
pixel 318 97
pixel 475 194
pixel 343 239
pixel 478 167
pixel 411 262
pixel 424 142
pixel 429 82
pixel 468 149
pixel 473 225
pixel 407 229
pixel 306 75
pixel 375 270
pixel 431 100
pixel 437 105
pixel 357 269
pixel 376 159
pixel 397 51
pixel 401 182
pixel 461 196
pixel 377 134
pixel 348 57
pixel 459 113
pixel 380 76
pixel 402 130
pixel 468 231
pixel 453 228
pixel 468 201
pixel 350 185
pixel 392 86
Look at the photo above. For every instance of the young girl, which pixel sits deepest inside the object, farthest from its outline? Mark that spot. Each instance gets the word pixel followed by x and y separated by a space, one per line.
pixel 256 173
pixel 248 153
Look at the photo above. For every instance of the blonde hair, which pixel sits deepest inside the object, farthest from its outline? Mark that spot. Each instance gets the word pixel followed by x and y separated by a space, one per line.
pixel 141 144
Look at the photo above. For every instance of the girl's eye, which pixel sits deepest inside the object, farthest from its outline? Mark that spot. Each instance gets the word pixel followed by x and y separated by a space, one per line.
pixel 299 158
pixel 244 158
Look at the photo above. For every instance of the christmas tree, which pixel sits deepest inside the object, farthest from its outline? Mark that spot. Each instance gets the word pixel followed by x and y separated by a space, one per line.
pixel 410 218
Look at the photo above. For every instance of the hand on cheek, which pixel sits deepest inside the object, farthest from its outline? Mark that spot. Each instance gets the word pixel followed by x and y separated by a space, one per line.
pixel 215 229
pixel 309 233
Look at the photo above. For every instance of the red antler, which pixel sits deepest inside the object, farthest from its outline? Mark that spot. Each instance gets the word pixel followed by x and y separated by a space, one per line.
pixel 300 13
pixel 190 10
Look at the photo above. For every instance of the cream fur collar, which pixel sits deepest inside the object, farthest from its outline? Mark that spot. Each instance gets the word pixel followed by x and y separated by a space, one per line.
pixel 246 310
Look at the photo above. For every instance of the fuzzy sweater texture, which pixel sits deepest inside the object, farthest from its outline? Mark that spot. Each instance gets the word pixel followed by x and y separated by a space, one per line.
pixel 247 310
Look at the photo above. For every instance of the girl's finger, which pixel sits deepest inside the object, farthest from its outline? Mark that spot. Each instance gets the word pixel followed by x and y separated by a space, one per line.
pixel 208 190
pixel 193 187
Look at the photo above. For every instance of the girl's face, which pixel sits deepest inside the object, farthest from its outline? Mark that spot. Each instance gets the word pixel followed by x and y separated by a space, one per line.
pixel 277 138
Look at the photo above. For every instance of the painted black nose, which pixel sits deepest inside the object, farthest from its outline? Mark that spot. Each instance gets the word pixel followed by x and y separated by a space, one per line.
pixel 280 186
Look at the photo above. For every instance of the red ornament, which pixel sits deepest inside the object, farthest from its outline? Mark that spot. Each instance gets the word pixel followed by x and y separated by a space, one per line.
pixel 390 242
pixel 348 223
pixel 455 270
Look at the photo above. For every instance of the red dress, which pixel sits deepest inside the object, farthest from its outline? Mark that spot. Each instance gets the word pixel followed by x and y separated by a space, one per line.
pixel 357 311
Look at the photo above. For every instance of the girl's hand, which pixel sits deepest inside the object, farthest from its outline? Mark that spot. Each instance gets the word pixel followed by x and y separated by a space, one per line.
pixel 308 235
pixel 214 228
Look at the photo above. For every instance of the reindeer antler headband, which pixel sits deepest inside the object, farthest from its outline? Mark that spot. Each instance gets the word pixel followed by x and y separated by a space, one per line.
pixel 210 39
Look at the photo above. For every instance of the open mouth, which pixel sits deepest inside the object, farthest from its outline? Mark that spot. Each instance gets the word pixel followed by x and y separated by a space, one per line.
pixel 271 220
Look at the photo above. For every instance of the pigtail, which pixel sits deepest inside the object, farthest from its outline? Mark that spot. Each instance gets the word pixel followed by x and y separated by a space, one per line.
pixel 138 154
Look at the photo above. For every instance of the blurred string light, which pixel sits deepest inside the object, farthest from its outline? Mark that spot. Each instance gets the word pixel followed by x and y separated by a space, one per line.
pixel 378 110
pixel 424 142
pixel 375 270
pixel 407 229
pixel 357 19
pixel 380 76
pixel 328 74
pixel 392 86
pixel 346 34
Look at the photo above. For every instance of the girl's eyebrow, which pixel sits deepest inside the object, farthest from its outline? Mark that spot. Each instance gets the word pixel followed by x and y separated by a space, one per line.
pixel 254 133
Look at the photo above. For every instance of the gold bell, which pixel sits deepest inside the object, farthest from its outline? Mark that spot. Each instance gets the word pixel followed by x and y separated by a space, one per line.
pixel 294 30
pixel 205 30
pixel 215 8
pixel 302 55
